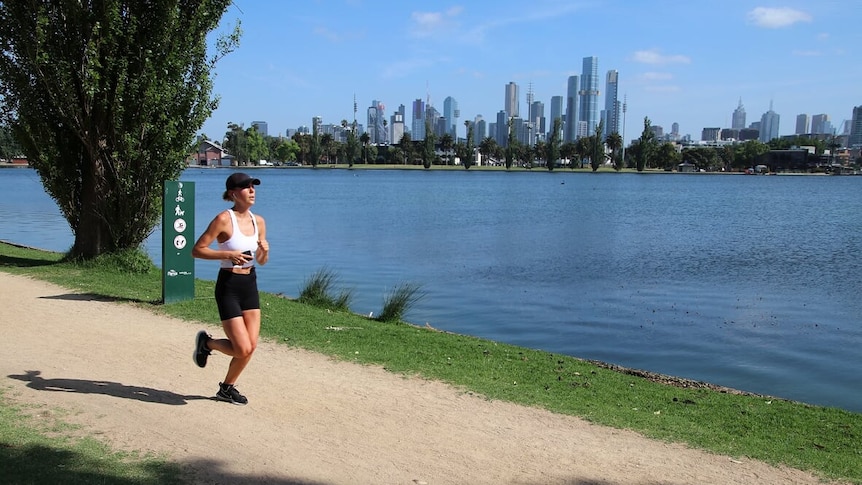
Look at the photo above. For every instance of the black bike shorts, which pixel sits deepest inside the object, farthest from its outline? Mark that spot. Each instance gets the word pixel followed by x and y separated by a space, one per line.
pixel 235 293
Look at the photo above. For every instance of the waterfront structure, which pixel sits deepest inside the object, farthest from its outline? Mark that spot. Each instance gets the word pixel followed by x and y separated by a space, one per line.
pixel 769 125
pixel 589 95
pixel 510 105
pixel 855 139
pixel 417 125
pixel 571 126
pixel 611 113
pixel 262 127
pixel 801 124
pixel 738 119
pixel 451 115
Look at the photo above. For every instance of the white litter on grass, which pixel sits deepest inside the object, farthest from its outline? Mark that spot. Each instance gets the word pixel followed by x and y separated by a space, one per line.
pixel 339 329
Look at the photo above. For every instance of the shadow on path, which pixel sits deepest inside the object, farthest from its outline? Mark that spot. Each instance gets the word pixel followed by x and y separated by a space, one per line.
pixel 108 388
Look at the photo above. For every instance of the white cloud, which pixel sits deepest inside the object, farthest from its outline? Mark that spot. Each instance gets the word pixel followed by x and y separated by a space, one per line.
pixel 776 18
pixel 656 76
pixel 653 56
pixel 429 23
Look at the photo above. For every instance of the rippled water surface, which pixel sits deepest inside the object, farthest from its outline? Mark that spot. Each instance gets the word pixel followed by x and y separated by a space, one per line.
pixel 749 282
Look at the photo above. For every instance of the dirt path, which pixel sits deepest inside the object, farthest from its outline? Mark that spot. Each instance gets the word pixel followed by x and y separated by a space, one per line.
pixel 127 375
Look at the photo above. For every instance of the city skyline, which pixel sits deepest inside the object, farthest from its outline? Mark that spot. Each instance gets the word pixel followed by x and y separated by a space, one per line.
pixel 692 75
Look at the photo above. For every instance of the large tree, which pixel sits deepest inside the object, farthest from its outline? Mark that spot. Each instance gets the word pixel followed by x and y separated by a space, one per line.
pixel 105 97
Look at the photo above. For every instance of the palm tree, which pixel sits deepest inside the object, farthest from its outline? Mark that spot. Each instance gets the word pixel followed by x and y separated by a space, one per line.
pixel 582 150
pixel 364 138
pixel 446 144
pixel 597 152
pixel 615 143
pixel 488 147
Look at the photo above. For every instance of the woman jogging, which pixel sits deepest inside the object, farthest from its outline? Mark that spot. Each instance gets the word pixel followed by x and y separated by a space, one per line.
pixel 241 238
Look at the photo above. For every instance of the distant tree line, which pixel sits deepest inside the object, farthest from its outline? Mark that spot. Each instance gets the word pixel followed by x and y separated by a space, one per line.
pixel 595 151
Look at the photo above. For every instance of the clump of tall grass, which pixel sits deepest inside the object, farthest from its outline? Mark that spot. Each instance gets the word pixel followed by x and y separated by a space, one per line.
pixel 397 303
pixel 319 290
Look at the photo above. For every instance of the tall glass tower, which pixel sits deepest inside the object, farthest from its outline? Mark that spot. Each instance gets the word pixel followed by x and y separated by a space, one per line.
pixel 738 120
pixel 612 104
pixel 511 104
pixel 589 94
pixel 417 125
pixel 556 112
pixel 450 114
pixel 769 125
pixel 570 132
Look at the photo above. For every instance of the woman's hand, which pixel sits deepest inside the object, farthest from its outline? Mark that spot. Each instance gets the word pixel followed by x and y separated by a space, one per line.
pixel 262 251
pixel 239 258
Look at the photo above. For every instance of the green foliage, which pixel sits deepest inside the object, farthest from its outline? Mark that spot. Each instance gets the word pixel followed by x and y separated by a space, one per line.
pixel 397 303
pixel 552 148
pixel 597 147
pixel 428 152
pixel 615 143
pixel 319 290
pixel 105 102
pixel 131 261
pixel 510 144
pixel 646 146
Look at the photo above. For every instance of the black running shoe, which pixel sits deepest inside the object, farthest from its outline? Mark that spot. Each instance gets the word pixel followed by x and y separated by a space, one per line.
pixel 228 393
pixel 201 350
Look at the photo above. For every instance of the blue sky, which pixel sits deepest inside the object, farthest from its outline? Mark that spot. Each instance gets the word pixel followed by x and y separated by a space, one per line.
pixel 684 62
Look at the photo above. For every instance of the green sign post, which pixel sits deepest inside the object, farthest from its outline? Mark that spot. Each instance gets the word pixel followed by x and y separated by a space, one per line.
pixel 178 227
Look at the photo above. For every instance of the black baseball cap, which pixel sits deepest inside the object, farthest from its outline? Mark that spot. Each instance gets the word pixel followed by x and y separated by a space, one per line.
pixel 240 180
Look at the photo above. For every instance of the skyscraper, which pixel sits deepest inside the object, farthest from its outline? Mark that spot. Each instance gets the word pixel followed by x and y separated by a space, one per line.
pixel 855 140
pixel 537 121
pixel 376 133
pixel 479 129
pixel 556 112
pixel 417 126
pixel 589 94
pixel 820 124
pixel 501 131
pixel 511 102
pixel 738 120
pixel 571 126
pixel 769 125
pixel 396 127
pixel 612 104
pixel 262 127
pixel 450 114
pixel 802 124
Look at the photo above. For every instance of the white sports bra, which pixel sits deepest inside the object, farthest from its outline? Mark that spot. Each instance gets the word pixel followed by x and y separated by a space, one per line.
pixel 239 242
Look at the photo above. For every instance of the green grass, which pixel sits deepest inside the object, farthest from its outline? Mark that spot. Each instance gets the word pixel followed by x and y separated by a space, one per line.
pixel 824 440
pixel 38 447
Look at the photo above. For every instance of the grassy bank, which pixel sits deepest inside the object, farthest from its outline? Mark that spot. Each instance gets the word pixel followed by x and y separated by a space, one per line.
pixel 825 440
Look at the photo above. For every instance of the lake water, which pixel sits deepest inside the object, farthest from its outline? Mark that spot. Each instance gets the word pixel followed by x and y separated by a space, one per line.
pixel 750 282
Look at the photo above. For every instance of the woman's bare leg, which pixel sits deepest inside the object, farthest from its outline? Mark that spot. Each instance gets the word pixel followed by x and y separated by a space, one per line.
pixel 242 335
